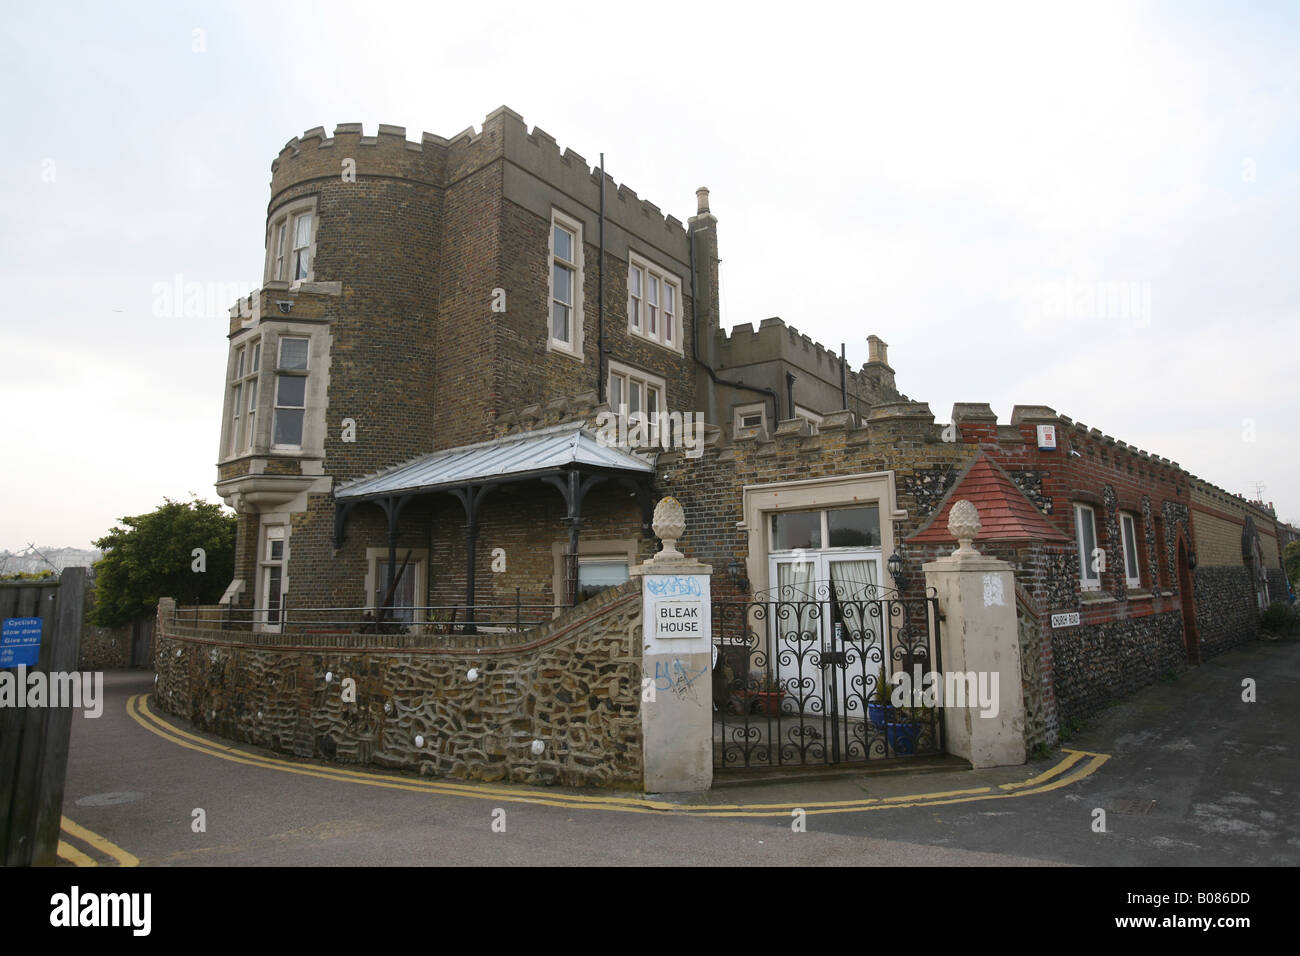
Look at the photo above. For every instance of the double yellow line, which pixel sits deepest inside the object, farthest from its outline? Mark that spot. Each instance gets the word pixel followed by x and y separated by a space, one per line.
pixel 96 844
pixel 1076 765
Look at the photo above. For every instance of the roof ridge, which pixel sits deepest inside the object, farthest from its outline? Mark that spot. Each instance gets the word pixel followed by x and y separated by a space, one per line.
pixel 1011 506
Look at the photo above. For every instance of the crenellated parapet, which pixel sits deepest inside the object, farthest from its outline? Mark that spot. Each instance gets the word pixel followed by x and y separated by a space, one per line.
pixel 317 156
pixel 438 161
pixel 536 155
pixel 977 422
pixel 774 341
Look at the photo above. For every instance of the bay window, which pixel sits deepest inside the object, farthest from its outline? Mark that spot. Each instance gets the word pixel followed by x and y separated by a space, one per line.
pixel 290 392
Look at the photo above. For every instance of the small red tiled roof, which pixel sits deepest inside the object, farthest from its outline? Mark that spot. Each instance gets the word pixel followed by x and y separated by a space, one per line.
pixel 1005 513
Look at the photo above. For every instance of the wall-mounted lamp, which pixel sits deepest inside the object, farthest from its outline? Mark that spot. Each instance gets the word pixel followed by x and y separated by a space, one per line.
pixel 737 572
pixel 1191 561
pixel 895 565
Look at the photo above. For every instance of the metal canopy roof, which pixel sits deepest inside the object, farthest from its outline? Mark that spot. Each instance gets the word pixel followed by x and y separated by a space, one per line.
pixel 514 456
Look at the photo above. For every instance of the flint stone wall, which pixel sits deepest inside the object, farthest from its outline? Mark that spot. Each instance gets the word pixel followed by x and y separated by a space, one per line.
pixel 1098 663
pixel 574 685
pixel 1226 610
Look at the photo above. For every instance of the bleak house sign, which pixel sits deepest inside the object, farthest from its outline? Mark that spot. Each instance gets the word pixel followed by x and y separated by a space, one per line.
pixel 678 619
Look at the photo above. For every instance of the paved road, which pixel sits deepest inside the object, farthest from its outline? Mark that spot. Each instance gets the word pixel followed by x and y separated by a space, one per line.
pixel 1194 777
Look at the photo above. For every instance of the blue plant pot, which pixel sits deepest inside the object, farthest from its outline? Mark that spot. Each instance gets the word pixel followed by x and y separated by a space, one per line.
pixel 902 738
pixel 879 714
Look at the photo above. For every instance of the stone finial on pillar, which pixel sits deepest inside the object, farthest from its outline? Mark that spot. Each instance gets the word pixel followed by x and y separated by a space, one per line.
pixel 669 524
pixel 964 525
pixel 702 200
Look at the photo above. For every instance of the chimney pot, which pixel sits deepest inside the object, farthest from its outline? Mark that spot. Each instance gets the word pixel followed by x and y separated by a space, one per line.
pixel 702 199
pixel 877 350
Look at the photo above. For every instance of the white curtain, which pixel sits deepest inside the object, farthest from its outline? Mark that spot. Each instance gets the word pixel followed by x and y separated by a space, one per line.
pixel 854 583
pixel 794 584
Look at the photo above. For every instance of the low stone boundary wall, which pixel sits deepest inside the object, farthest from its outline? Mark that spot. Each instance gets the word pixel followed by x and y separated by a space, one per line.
pixel 1041 727
pixel 1097 663
pixel 104 648
pixel 1227 613
pixel 473 706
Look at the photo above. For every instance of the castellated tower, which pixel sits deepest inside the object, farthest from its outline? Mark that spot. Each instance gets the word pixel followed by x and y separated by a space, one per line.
pixel 415 291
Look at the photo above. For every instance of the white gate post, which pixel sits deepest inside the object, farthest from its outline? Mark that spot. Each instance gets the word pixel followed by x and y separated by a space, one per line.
pixel 977 599
pixel 676 661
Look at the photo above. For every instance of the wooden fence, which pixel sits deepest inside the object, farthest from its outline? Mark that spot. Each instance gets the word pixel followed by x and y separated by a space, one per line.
pixel 34 740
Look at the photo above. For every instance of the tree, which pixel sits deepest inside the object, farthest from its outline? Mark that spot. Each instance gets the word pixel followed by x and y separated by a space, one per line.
pixel 1291 561
pixel 154 556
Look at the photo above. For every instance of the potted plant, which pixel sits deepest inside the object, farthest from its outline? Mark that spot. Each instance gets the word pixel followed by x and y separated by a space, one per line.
pixel 879 710
pixel 767 695
pixel 906 728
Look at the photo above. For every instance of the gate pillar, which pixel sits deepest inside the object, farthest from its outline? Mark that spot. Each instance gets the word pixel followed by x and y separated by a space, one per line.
pixel 676 662
pixel 980 639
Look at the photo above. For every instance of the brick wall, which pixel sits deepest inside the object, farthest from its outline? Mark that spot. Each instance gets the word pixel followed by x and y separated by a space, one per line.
pixel 1227 602
pixel 418 240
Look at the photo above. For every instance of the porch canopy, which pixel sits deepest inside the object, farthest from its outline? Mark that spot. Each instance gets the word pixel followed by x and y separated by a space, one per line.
pixel 567 456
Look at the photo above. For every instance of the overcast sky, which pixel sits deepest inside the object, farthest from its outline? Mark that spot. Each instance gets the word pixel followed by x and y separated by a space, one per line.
pixel 1091 207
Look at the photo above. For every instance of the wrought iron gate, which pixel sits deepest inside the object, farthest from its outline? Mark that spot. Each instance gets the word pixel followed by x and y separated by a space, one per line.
pixel 804 675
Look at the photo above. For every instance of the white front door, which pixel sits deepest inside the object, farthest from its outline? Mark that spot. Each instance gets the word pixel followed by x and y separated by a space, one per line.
pixel 822 607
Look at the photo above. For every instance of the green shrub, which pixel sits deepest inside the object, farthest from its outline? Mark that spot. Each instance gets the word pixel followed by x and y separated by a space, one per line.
pixel 1280 618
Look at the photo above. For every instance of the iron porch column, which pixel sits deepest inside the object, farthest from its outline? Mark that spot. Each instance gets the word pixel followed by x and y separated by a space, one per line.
pixel 470 498
pixel 574 488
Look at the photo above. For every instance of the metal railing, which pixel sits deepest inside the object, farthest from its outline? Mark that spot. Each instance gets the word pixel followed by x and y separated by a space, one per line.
pixel 436 619
pixel 804 678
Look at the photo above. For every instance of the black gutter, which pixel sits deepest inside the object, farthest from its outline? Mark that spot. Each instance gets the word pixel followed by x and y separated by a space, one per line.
pixel 695 311
pixel 600 296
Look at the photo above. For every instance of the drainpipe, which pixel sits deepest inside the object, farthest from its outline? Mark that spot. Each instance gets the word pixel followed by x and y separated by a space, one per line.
pixel 844 379
pixel 695 300
pixel 600 295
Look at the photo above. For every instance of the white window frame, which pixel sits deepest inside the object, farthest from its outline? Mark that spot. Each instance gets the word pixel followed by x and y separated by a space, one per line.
pixel 589 551
pixel 304 373
pixel 573 345
pixel 282 229
pixel 638 318
pixel 238 360
pixel 628 378
pixel 419 565
pixel 745 411
pixel 1128 535
pixel 585 559
pixel 811 417
pixel 759 501
pixel 265 565
pixel 1088 580
pixel 824 531
pixel 240 434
